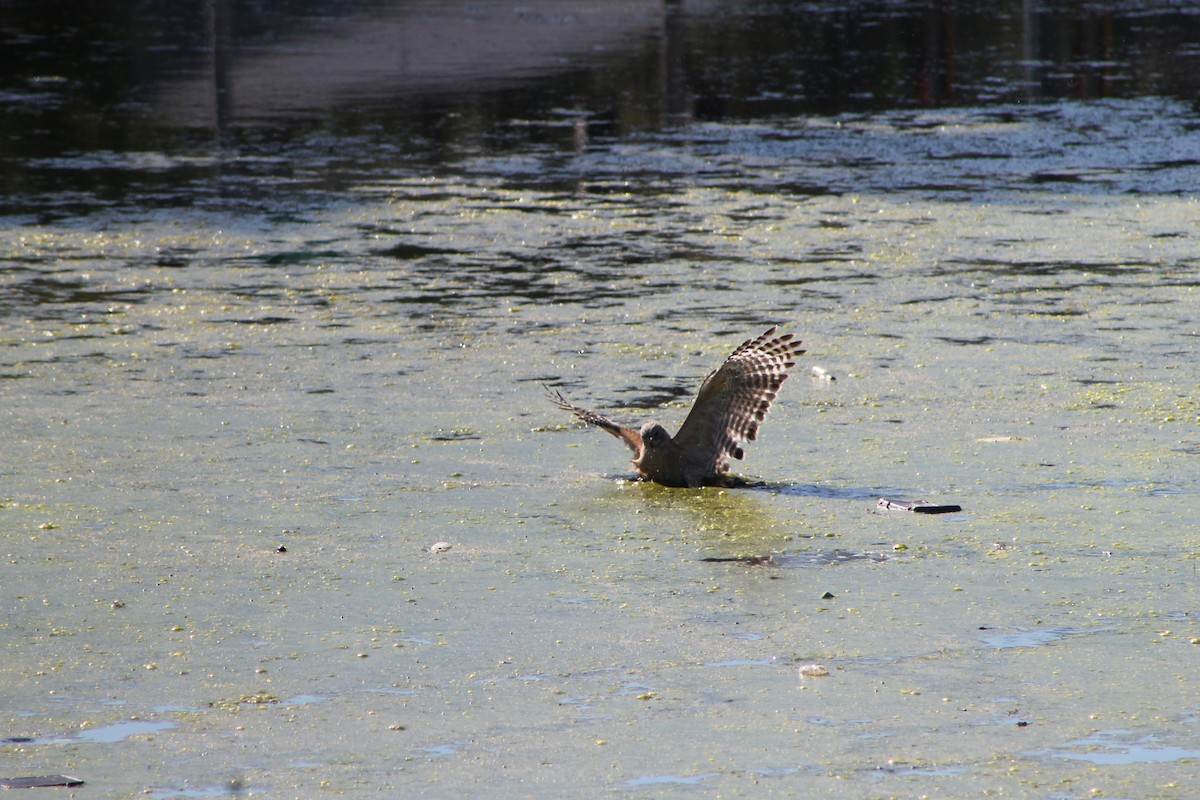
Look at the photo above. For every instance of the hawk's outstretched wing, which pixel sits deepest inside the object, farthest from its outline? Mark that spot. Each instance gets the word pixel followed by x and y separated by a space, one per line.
pixel 629 437
pixel 734 399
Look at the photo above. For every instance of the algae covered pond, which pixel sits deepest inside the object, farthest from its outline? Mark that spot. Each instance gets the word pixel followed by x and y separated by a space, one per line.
pixel 285 512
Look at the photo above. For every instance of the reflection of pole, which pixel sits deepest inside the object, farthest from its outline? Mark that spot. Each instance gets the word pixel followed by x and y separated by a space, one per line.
pixel 1027 34
pixel 936 85
pixel 930 61
pixel 677 97
pixel 220 45
pixel 1107 54
pixel 950 40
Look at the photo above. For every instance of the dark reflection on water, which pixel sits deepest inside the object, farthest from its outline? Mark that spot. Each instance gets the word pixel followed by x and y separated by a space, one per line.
pixel 208 104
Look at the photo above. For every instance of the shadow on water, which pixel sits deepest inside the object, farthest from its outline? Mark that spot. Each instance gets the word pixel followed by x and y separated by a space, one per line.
pixel 742 484
pixel 827 492
pixel 815 490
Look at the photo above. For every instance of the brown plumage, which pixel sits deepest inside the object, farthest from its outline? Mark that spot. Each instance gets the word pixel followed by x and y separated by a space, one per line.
pixel 732 402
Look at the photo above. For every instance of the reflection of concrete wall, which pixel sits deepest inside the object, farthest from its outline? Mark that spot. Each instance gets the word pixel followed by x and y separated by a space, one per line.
pixel 418 48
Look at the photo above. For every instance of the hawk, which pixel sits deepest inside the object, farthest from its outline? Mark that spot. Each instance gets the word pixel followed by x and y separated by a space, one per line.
pixel 732 401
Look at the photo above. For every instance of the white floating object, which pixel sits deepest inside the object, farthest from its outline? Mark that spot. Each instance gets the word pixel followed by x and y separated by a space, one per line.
pixel 440 547
pixel 822 374
pixel 813 671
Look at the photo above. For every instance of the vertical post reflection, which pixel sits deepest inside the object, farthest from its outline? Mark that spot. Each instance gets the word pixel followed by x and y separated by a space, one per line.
pixel 677 95
pixel 220 37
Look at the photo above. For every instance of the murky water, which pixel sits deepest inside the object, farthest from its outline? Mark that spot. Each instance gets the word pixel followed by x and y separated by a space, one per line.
pixel 248 380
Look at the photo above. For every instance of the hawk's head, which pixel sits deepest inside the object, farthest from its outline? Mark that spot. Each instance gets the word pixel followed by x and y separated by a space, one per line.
pixel 654 435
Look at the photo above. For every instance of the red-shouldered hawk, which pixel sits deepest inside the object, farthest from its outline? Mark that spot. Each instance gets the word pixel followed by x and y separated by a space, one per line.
pixel 732 401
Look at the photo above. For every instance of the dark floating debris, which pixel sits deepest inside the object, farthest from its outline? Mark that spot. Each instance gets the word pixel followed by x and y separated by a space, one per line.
pixel 918 506
pixel 815 558
pixel 754 561
pixel 453 435
pixel 40 782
